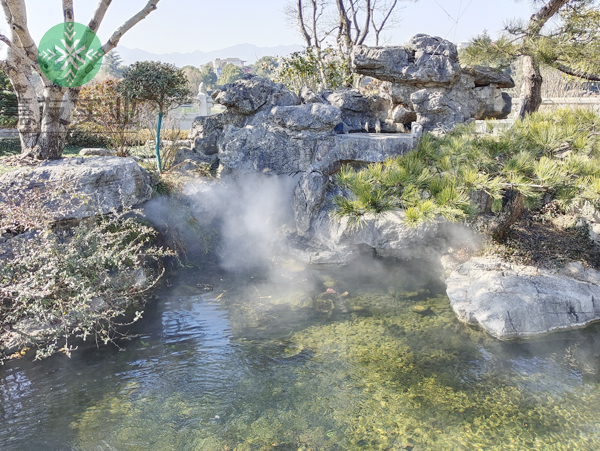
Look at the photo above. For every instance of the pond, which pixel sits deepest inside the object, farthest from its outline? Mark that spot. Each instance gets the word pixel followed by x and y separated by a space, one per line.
pixel 363 357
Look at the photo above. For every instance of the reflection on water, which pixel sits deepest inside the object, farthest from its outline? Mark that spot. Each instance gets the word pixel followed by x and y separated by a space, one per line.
pixel 368 356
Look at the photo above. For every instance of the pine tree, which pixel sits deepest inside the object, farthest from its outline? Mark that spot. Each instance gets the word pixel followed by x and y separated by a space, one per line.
pixel 112 64
pixel 571 44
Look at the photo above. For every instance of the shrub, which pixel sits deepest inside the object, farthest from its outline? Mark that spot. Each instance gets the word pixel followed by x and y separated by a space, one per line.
pixel 317 69
pixel 545 156
pixel 75 282
pixel 87 136
pixel 104 118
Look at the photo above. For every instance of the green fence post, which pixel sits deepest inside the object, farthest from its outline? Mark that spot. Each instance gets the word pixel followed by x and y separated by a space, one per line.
pixel 158 164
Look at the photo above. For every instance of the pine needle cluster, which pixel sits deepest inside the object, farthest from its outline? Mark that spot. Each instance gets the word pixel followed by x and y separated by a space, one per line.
pixel 545 156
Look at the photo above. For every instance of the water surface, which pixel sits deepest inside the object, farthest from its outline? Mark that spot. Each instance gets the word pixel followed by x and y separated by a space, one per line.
pixel 272 361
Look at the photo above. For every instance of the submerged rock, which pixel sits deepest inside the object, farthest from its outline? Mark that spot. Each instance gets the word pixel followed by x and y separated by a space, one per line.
pixel 513 301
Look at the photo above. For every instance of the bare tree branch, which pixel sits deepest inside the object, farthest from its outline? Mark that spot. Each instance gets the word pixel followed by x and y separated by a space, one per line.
pixel 361 39
pixel 7 13
pixel 117 35
pixel 354 9
pixel 344 26
pixel 315 19
pixel 99 15
pixel 545 13
pixel 18 23
pixel 68 11
pixel 305 34
pixel 20 53
pixel 386 17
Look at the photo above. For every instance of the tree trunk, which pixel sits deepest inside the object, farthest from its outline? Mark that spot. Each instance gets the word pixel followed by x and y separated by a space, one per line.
pixel 43 135
pixel 21 78
pixel 29 111
pixel 531 90
pixel 514 209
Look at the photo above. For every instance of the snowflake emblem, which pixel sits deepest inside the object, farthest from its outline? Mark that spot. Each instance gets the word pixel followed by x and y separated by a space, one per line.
pixel 70 54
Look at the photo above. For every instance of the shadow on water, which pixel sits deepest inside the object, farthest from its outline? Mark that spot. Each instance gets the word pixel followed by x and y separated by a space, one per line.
pixel 367 356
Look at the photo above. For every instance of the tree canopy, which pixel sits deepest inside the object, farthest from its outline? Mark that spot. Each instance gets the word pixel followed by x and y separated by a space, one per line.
pixel 208 76
pixel 112 64
pixel 162 84
pixel 230 74
pixel 265 66
pixel 194 77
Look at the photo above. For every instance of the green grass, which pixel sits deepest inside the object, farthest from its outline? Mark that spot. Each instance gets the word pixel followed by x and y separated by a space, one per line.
pixel 12 146
pixel 9 146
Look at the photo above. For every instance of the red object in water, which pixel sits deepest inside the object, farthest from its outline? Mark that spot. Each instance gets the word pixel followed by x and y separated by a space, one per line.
pixel 330 291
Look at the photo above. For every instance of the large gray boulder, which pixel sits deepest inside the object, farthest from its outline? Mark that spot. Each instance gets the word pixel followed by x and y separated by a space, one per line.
pixel 426 61
pixel 364 114
pixel 439 110
pixel 205 133
pixel 308 198
pixel 248 96
pixel 484 76
pixel 512 301
pixel 96 152
pixel 337 240
pixel 79 187
pixel 316 117
pixel 270 149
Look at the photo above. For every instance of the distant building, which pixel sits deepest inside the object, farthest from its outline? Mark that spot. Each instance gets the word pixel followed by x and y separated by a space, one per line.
pixel 219 64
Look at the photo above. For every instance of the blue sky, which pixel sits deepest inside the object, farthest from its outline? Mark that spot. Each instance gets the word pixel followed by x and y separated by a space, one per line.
pixel 188 25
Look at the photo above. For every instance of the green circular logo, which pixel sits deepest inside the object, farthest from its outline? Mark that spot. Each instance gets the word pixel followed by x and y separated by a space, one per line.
pixel 70 54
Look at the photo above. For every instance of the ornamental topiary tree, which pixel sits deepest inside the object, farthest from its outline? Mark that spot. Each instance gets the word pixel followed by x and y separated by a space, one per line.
pixel 43 132
pixel 162 85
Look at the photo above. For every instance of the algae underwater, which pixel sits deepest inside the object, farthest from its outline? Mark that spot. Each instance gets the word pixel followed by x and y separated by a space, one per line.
pixel 365 357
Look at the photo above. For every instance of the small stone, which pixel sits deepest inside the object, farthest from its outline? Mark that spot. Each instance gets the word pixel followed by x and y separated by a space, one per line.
pixel 95 152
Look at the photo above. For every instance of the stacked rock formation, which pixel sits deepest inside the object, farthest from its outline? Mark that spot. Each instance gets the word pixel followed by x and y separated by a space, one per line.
pixel 426 85
pixel 271 130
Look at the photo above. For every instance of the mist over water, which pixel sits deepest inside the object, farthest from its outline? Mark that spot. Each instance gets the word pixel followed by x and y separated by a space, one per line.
pixel 252 211
pixel 246 212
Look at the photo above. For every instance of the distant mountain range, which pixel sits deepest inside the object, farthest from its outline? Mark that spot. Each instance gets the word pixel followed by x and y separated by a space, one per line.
pixel 247 52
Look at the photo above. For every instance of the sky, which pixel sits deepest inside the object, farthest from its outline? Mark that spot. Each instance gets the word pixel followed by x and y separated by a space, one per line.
pixel 187 25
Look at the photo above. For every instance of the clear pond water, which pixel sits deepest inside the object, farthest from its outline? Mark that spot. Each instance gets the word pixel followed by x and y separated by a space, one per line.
pixel 278 361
